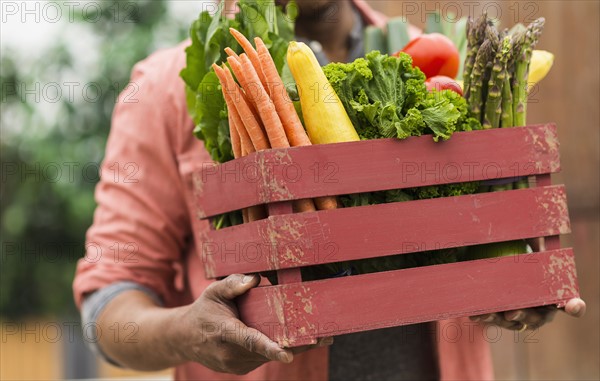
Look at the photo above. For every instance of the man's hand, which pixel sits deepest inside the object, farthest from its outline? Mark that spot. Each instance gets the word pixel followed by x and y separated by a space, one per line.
pixel 531 318
pixel 213 335
pixel 208 332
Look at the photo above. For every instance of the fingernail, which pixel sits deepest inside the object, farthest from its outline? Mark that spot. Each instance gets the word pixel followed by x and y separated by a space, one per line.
pixel 518 316
pixel 489 319
pixel 326 341
pixel 576 310
pixel 283 357
pixel 247 279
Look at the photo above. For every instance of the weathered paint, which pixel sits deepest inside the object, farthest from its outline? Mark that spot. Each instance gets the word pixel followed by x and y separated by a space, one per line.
pixel 366 166
pixel 392 298
pixel 297 313
pixel 356 233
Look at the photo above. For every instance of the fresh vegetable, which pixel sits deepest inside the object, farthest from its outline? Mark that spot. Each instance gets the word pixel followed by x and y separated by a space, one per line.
pixel 525 43
pixel 475 37
pixel 494 250
pixel 452 26
pixel 497 71
pixel 497 94
pixel 541 63
pixel 293 127
pixel 251 123
pixel 284 106
pixel 435 54
pixel 397 34
pixel 387 97
pixel 493 104
pixel 479 78
pixel 325 118
pixel 239 134
pixel 210 36
pixel 441 82
pixel 269 118
pixel 375 39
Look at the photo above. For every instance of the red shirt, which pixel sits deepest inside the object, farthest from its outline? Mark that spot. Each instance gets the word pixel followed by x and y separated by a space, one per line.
pixel 143 229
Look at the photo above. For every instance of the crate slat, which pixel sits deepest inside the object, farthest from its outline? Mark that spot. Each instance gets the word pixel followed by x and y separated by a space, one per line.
pixel 337 306
pixel 345 168
pixel 296 240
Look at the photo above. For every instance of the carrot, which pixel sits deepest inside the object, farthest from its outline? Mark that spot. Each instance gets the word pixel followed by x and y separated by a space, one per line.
pixel 271 122
pixel 294 130
pixel 231 53
pixel 249 49
pixel 246 73
pixel 235 144
pixel 234 135
pixel 265 107
pixel 235 118
pixel 285 108
pixel 248 94
pixel 236 129
pixel 252 126
pixel 240 149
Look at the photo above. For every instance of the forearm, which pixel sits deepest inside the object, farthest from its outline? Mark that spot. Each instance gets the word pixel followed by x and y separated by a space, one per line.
pixel 138 334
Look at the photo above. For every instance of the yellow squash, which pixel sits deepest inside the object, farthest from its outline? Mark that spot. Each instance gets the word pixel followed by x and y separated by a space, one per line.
pixel 325 118
pixel 541 63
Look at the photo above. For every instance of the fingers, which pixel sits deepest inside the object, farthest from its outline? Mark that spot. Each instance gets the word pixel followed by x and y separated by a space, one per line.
pixel 232 286
pixel 528 318
pixel 498 320
pixel 532 317
pixel 575 307
pixel 254 341
pixel 322 342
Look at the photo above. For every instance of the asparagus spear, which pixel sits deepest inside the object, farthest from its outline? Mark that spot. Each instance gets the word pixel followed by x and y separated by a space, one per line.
pixel 526 43
pixel 491 34
pixel 507 103
pixel 475 37
pixel 499 73
pixel 477 78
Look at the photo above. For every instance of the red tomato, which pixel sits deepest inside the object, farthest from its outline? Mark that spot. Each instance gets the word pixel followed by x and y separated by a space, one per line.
pixel 441 82
pixel 435 54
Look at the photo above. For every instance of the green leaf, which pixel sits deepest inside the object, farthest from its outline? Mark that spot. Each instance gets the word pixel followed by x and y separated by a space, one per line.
pixel 211 113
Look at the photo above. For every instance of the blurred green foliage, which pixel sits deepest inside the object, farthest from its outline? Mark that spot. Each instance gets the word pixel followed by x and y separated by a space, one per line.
pixel 51 151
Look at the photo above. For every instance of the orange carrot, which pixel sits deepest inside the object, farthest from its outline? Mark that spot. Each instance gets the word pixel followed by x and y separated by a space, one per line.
pixel 294 130
pixel 250 89
pixel 249 49
pixel 235 144
pixel 234 135
pixel 265 107
pixel 285 108
pixel 235 118
pixel 255 133
pixel 240 149
pixel 270 118
pixel 231 53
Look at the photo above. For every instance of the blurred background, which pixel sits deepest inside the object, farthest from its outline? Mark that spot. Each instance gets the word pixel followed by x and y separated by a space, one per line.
pixel 63 65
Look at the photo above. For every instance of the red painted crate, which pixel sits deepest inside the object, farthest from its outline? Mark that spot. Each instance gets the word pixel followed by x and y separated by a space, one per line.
pixel 297 312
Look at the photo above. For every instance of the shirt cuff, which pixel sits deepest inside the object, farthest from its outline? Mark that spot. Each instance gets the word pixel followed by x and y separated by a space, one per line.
pixel 94 304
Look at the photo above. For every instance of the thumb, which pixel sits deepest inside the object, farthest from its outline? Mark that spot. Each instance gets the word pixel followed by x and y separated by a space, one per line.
pixel 232 286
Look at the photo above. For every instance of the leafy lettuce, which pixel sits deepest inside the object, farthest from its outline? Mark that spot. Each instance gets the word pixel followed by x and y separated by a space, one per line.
pixel 386 96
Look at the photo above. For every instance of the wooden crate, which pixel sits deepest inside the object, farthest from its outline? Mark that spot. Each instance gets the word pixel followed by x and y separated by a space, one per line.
pixel 297 312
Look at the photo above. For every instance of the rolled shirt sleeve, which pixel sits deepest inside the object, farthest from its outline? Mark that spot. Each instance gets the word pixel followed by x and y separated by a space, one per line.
pixel 141 224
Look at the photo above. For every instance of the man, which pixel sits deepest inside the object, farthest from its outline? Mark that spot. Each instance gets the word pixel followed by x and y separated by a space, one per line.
pixel 142 276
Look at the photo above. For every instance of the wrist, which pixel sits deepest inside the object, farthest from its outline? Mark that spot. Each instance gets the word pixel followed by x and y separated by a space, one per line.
pixel 164 333
pixel 177 333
